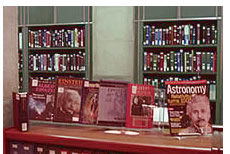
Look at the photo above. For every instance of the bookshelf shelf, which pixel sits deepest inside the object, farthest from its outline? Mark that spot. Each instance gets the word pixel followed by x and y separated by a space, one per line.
pixel 56 48
pixel 56 72
pixel 182 46
pixel 179 73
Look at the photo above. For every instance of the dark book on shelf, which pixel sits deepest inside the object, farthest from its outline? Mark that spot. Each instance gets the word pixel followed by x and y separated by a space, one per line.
pixel 40 149
pixel 20 110
pixel 15 147
pixel 68 99
pixel 112 103
pixel 27 148
pixel 41 99
pixel 53 150
pixel 140 101
pixel 188 107
pixel 89 105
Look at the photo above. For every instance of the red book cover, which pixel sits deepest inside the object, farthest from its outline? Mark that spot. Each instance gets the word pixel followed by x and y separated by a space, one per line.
pixel 153 35
pixel 188 107
pixel 41 99
pixel 112 103
pixel 175 31
pixel 148 61
pixel 68 99
pixel 140 101
pixel 89 107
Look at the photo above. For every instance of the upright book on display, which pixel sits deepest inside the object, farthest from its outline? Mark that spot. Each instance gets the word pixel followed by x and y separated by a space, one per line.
pixel 89 106
pixel 140 101
pixel 112 103
pixel 41 99
pixel 68 99
pixel 20 109
pixel 188 107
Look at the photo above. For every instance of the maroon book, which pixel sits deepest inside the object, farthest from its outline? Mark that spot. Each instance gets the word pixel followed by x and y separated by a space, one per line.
pixel 140 101
pixel 188 107
pixel 112 103
pixel 89 106
pixel 20 110
pixel 41 99
pixel 198 34
pixel 68 99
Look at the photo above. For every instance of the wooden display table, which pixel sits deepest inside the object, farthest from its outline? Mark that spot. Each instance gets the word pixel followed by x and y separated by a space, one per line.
pixel 94 138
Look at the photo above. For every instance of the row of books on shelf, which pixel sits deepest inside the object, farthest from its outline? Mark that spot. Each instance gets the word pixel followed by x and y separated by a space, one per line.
pixel 46 38
pixel 190 34
pixel 159 84
pixel 57 62
pixel 19 147
pixel 180 61
pixel 73 100
pixel 114 103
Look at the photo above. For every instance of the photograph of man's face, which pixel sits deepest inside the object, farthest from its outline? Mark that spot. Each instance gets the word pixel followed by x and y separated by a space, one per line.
pixel 71 101
pixel 199 111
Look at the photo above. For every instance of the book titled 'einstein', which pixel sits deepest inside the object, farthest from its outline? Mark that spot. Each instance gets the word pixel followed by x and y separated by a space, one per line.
pixel 188 107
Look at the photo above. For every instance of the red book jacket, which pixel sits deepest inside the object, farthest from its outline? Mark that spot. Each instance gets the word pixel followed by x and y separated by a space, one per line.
pixel 140 101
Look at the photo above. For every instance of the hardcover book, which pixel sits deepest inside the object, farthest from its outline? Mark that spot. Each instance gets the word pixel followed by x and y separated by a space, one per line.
pixel 15 147
pixel 41 99
pixel 20 109
pixel 89 106
pixel 140 101
pixel 188 107
pixel 68 99
pixel 112 103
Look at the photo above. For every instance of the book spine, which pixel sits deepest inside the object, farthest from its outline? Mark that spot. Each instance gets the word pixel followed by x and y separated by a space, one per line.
pixel 213 34
pixel 161 61
pixel 151 61
pixel 23 113
pixel 203 62
pixel 148 61
pixel 181 60
pixel 145 61
pixel 170 35
pixel 163 37
pixel 198 34
pixel 208 35
pixel 172 61
pixel 175 35
pixel 211 61
pixel 76 37
pixel 155 62
pixel 165 63
pixel 208 61
pixel 153 35
pixel 186 34
pixel 198 61
pixel 156 36
pixel 204 35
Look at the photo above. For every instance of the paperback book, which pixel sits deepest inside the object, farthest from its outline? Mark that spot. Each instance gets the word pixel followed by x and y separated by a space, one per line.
pixel 188 107
pixel 89 106
pixel 68 99
pixel 41 99
pixel 112 103
pixel 140 101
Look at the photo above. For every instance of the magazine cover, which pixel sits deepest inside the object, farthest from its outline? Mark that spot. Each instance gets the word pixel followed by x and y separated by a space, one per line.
pixel 68 99
pixel 89 107
pixel 188 107
pixel 112 103
pixel 140 101
pixel 41 99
